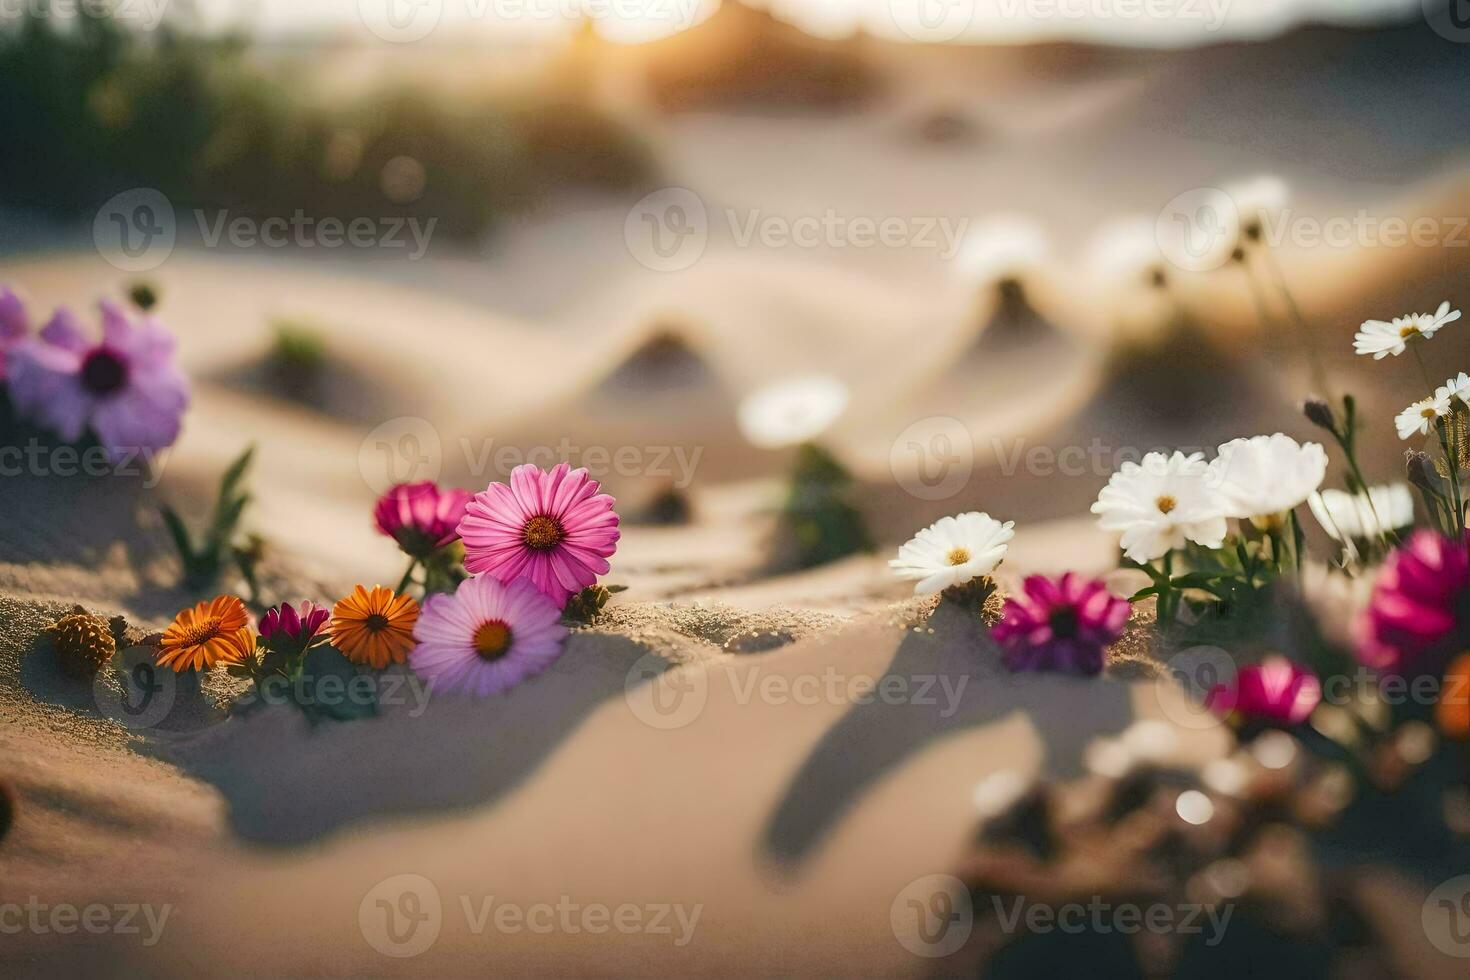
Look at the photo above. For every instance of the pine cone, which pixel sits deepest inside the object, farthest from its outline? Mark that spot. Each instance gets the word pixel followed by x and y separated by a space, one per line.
pixel 83 644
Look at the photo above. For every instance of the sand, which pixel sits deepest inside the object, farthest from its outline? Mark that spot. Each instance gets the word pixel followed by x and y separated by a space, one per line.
pixel 709 744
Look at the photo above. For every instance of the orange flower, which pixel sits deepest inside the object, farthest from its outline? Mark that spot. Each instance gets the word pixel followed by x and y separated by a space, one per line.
pixel 376 627
pixel 213 632
pixel 1453 710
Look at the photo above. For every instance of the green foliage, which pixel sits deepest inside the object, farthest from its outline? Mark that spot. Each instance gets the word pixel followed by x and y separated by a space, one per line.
pixel 298 347
pixel 220 544
pixel 818 520
pixel 196 119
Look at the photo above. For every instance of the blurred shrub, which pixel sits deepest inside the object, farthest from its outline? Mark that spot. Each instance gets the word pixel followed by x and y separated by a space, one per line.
pixel 195 118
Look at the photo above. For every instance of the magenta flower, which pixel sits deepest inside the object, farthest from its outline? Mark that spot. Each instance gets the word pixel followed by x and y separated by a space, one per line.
pixel 125 389
pixel 421 517
pixel 1063 624
pixel 486 637
pixel 13 324
pixel 1420 606
pixel 284 626
pixel 1274 691
pixel 552 528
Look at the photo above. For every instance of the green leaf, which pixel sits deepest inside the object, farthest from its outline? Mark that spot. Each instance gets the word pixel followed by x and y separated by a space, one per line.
pixel 1144 593
pixel 179 533
pixel 332 689
pixel 231 480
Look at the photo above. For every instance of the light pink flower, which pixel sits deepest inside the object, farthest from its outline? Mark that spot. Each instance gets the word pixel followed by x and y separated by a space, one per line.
pixel 125 388
pixel 552 528
pixel 486 637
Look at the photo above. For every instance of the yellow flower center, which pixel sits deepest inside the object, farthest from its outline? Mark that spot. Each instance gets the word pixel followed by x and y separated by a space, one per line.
pixel 1407 332
pixel 543 533
pixel 959 556
pixel 200 632
pixel 1166 503
pixel 492 639
pixel 1428 412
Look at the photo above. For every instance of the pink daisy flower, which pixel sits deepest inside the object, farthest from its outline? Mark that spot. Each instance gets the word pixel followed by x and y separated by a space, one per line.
pixel 1274 691
pixel 552 528
pixel 1064 624
pixel 420 516
pixel 125 389
pixel 486 637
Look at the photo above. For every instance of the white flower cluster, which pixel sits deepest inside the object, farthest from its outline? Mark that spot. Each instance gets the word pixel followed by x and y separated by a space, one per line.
pixel 1164 502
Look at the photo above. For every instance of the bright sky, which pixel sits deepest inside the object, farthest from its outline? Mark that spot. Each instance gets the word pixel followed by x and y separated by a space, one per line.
pixel 1143 22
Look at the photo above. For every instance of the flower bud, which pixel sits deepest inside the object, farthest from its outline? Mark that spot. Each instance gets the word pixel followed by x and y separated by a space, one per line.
pixel 1420 470
pixel 1319 413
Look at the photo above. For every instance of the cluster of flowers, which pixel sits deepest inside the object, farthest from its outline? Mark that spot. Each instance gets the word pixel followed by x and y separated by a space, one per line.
pixel 124 389
pixel 527 547
pixel 1210 532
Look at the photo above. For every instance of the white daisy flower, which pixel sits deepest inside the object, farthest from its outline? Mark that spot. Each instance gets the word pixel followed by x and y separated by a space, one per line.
pixel 1259 202
pixel 1456 387
pixel 1003 247
pixel 1348 516
pixel 1160 503
pixel 1382 339
pixel 792 411
pixel 1421 416
pixel 952 551
pixel 1267 475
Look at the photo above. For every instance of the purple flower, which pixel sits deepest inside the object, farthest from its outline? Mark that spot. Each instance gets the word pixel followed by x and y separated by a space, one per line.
pixel 13 323
pixel 1275 691
pixel 1420 607
pixel 487 637
pixel 125 389
pixel 284 624
pixel 1063 624
pixel 420 516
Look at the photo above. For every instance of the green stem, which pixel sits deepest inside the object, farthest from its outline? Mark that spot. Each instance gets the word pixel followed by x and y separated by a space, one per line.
pixel 408 576
pixel 1446 439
